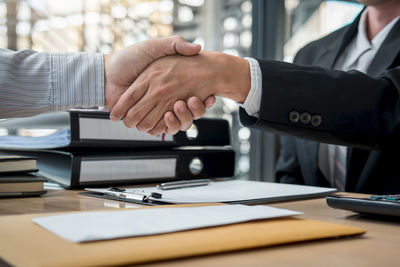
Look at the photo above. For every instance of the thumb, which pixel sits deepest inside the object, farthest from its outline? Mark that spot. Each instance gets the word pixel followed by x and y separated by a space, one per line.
pixel 167 46
pixel 186 48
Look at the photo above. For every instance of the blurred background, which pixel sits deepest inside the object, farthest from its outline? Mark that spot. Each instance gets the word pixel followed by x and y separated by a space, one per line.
pixel 271 29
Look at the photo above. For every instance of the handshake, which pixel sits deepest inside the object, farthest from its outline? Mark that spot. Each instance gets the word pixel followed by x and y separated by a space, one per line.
pixel 162 85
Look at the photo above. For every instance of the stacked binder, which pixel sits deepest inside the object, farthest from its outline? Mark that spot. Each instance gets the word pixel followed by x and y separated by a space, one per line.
pixel 82 148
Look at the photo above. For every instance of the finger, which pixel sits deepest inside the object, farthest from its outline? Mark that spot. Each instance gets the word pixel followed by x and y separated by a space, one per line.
pixel 210 101
pixel 128 99
pixel 151 118
pixel 183 114
pixel 170 132
pixel 196 107
pixel 160 128
pixel 139 111
pixel 172 123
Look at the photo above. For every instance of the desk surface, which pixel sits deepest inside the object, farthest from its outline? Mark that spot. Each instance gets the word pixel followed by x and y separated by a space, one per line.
pixel 378 247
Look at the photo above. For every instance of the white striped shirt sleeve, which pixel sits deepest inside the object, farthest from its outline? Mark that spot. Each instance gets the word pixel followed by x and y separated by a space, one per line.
pixel 253 100
pixel 33 82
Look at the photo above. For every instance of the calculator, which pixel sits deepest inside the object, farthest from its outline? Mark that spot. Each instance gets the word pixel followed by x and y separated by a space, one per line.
pixel 387 205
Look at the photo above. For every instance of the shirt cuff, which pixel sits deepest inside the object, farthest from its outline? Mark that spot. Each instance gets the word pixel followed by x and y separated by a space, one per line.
pixel 77 80
pixel 253 100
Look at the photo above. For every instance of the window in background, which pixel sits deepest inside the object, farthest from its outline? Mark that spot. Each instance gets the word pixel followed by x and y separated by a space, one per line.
pixel 311 19
pixel 108 25
pixel 82 25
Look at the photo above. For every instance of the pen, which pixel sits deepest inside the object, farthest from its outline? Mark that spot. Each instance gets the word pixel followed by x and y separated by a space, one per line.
pixel 183 184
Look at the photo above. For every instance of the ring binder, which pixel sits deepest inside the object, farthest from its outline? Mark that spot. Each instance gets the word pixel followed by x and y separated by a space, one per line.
pixel 92 129
pixel 77 169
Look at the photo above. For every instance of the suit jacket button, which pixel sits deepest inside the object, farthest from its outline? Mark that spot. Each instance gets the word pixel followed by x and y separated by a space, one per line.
pixel 316 120
pixel 294 116
pixel 305 118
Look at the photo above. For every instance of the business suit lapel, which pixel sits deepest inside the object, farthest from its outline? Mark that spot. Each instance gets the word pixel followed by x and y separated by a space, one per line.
pixel 332 52
pixel 387 52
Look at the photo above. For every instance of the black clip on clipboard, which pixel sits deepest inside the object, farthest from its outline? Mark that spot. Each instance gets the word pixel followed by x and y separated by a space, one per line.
pixel 119 194
pixel 146 198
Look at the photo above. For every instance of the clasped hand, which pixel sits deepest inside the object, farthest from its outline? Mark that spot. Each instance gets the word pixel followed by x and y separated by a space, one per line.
pixel 167 91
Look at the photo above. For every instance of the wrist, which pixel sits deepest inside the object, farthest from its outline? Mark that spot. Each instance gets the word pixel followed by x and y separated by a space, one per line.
pixel 235 78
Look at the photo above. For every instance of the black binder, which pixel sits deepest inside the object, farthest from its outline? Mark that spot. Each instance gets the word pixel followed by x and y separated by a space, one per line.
pixel 77 169
pixel 92 128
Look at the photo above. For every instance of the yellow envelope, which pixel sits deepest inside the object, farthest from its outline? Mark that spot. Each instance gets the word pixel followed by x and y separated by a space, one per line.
pixel 23 243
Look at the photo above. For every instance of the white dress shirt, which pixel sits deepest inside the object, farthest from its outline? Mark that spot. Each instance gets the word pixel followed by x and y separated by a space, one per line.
pixel 357 56
pixel 33 82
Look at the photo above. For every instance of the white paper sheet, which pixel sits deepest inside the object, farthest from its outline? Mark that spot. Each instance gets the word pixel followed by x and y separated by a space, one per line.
pixel 91 226
pixel 235 191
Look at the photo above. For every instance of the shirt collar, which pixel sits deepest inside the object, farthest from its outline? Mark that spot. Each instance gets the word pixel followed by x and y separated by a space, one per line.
pixel 362 44
pixel 381 36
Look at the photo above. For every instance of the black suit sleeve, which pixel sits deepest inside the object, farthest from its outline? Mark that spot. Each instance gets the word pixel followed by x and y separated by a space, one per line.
pixel 356 110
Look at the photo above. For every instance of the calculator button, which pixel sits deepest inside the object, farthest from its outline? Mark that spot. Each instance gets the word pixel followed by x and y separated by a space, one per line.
pixel 393 197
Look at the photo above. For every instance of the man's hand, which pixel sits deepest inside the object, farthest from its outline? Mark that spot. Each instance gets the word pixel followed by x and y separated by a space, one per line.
pixel 122 68
pixel 174 78
pixel 182 117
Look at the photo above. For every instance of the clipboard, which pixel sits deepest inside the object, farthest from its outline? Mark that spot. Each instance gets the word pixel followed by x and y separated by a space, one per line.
pixel 209 191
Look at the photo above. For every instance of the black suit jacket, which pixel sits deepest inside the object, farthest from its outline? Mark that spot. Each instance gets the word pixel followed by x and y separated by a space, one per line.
pixel 358 110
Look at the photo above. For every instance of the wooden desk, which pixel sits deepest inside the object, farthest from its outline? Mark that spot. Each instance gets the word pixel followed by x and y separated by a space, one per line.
pixel 378 247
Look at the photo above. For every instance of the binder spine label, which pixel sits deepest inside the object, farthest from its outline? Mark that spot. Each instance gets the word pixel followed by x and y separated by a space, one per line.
pixel 109 170
pixel 103 129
